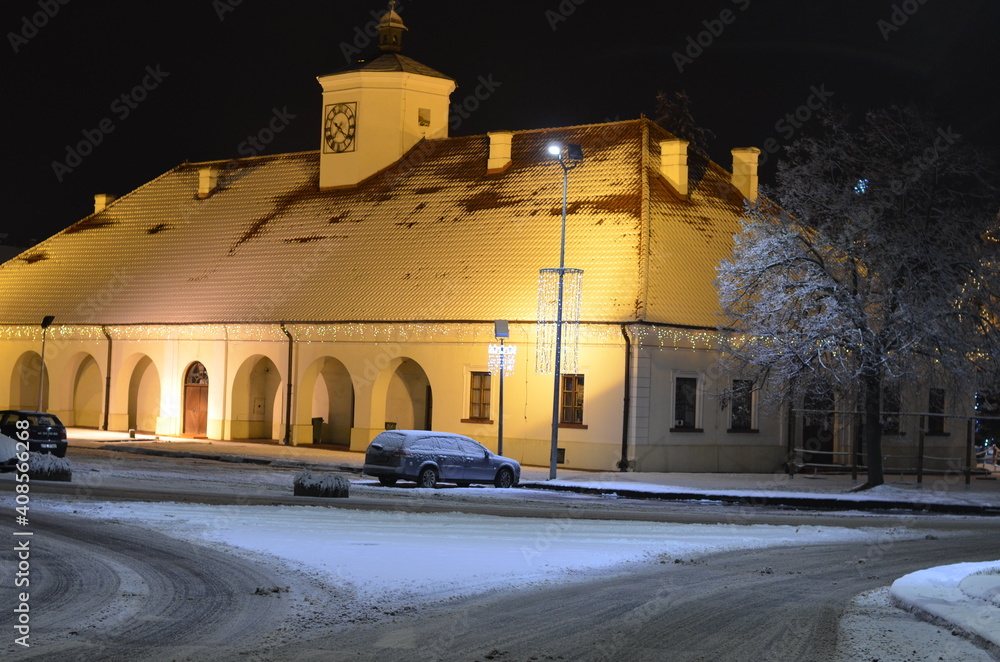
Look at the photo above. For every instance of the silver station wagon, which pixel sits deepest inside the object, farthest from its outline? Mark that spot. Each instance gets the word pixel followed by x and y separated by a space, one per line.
pixel 432 457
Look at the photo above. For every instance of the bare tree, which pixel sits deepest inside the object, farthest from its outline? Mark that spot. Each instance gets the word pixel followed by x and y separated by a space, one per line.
pixel 673 113
pixel 874 260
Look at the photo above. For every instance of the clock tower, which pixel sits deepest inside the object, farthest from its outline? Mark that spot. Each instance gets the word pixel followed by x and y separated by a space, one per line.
pixel 374 112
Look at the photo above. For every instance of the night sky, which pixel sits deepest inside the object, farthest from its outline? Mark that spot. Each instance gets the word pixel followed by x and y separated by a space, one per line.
pixel 200 78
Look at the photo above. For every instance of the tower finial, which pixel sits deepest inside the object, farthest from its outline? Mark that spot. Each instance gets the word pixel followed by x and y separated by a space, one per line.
pixel 391 29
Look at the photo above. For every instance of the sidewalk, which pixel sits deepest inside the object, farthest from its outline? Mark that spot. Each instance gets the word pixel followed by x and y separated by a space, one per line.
pixel 945 494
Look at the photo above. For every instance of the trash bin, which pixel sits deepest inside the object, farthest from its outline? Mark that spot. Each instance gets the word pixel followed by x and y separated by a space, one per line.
pixel 317 430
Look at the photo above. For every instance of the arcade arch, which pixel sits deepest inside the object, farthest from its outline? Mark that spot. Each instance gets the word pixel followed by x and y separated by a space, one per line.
pixel 256 398
pixel 144 396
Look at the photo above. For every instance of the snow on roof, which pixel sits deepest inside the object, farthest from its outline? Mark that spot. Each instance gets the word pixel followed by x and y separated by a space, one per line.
pixel 431 237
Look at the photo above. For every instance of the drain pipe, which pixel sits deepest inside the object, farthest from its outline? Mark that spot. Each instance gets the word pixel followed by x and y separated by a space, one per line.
pixel 623 463
pixel 107 381
pixel 288 398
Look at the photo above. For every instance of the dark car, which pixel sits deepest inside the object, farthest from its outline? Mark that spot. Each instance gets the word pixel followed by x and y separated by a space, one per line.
pixel 44 432
pixel 432 457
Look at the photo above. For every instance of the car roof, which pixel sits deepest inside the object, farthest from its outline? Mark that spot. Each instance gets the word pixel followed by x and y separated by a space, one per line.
pixel 420 434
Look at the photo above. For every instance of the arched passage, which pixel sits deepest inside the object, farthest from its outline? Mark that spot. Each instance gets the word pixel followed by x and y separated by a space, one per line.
pixel 328 393
pixel 24 383
pixel 196 399
pixel 88 394
pixel 408 397
pixel 144 396
pixel 256 394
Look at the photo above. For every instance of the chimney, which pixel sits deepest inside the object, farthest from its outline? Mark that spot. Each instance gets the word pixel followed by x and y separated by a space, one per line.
pixel 499 152
pixel 745 171
pixel 674 164
pixel 102 200
pixel 208 179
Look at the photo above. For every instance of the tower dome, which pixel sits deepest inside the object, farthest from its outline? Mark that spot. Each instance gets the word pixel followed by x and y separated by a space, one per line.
pixel 390 30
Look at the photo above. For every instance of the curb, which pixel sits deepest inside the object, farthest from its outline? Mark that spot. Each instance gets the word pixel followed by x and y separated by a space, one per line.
pixel 817 503
pixel 233 459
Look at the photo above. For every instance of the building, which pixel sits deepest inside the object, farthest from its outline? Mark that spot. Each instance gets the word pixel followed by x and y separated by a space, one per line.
pixel 359 284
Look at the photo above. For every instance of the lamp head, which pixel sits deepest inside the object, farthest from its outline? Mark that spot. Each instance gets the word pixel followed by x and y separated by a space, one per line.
pixel 555 149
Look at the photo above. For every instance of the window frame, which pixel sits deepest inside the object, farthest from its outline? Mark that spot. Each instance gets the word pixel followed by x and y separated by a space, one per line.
pixel 751 393
pixel 892 401
pixel 578 392
pixel 471 389
pixel 936 419
pixel 698 424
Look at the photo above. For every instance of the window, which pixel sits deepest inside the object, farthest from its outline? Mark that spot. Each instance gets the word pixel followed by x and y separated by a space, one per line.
pixel 890 409
pixel 572 400
pixel 935 405
pixel 424 116
pixel 479 396
pixel 686 403
pixel 741 405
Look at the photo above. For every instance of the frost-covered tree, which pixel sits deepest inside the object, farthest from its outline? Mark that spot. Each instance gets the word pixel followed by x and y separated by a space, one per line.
pixel 874 260
pixel 673 113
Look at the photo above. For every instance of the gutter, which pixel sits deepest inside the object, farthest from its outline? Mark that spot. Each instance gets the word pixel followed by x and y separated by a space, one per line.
pixel 107 380
pixel 627 406
pixel 288 398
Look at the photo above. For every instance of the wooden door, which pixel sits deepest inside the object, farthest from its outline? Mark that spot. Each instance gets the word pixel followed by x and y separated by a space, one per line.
pixel 196 400
pixel 195 409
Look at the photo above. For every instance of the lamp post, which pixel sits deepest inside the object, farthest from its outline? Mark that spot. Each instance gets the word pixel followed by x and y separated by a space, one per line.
pixel 46 323
pixel 569 157
pixel 501 330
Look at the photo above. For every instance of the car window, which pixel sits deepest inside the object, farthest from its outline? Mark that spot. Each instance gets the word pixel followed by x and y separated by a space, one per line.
pixel 424 444
pixel 389 441
pixel 446 443
pixel 470 447
pixel 44 420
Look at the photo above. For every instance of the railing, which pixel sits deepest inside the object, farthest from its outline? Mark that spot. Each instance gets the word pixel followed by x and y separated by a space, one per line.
pixel 831 440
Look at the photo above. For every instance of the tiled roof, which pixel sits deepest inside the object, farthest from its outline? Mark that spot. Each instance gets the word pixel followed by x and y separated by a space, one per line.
pixel 395 62
pixel 432 237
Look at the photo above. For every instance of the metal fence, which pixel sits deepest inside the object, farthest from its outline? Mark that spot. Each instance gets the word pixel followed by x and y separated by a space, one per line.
pixel 914 443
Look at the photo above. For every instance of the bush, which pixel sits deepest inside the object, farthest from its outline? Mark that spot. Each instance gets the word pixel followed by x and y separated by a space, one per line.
pixel 45 466
pixel 322 485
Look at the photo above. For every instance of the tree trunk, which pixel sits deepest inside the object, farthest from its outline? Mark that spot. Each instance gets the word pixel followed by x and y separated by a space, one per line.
pixel 873 428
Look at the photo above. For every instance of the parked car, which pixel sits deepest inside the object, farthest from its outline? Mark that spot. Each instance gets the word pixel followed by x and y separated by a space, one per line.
pixel 432 457
pixel 45 432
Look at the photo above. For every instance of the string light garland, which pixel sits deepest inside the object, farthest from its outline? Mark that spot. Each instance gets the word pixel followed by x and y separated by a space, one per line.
pixel 548 311
pixel 592 333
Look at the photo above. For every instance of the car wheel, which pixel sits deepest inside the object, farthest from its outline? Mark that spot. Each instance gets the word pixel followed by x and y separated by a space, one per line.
pixel 505 478
pixel 428 477
pixel 388 481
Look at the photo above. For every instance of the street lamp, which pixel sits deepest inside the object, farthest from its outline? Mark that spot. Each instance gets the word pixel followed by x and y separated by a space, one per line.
pixel 501 361
pixel 569 156
pixel 46 323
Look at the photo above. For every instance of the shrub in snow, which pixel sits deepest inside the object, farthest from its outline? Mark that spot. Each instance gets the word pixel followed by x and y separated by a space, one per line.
pixel 8 450
pixel 44 466
pixel 322 485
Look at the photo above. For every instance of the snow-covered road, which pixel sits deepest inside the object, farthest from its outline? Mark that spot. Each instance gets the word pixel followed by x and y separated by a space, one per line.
pixel 392 561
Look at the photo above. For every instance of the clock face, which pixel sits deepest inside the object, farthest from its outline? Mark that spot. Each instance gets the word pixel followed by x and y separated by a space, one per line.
pixel 340 127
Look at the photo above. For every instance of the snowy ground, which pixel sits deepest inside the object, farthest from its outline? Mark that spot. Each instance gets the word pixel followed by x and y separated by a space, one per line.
pixel 451 554
pixel 455 554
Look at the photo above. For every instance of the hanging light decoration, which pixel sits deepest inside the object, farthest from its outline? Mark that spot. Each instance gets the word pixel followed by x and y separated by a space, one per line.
pixel 548 311
pixel 505 356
